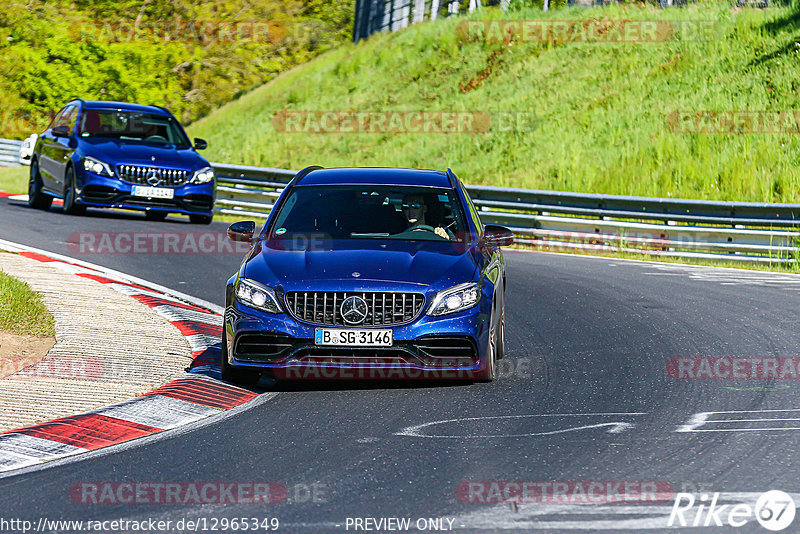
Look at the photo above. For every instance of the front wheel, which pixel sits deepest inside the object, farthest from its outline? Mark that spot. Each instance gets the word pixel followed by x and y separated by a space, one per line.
pixel 71 205
pixel 501 335
pixel 242 377
pixel 201 219
pixel 36 197
pixel 488 374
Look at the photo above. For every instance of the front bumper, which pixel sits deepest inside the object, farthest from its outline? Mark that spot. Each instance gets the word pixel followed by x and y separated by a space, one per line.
pixel 448 347
pixel 104 192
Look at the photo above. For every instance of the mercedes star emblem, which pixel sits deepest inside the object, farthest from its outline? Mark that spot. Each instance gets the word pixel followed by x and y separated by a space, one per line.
pixel 153 178
pixel 354 310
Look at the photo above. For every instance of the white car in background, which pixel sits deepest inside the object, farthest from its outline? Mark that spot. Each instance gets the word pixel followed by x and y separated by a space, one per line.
pixel 26 150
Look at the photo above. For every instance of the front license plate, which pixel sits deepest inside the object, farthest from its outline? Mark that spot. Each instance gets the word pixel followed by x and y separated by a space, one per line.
pixel 353 338
pixel 153 192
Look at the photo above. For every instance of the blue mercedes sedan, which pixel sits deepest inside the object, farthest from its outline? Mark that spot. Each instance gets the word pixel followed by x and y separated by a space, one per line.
pixel 367 273
pixel 120 155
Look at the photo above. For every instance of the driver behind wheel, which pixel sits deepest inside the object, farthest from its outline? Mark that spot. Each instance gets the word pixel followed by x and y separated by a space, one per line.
pixel 415 210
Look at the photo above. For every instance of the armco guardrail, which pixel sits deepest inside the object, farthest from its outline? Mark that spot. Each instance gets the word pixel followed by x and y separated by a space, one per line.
pixel 555 220
pixel 9 152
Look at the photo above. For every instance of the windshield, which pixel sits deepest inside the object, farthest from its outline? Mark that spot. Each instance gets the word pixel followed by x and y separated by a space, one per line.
pixel 370 212
pixel 131 126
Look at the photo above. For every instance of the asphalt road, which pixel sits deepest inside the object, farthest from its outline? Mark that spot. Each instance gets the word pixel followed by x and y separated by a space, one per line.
pixel 584 395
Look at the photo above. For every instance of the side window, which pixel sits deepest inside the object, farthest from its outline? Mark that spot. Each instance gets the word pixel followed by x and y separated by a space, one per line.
pixel 56 120
pixel 69 117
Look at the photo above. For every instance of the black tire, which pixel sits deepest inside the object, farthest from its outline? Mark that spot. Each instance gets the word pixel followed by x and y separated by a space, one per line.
pixel 242 377
pixel 491 366
pixel 201 219
pixel 36 198
pixel 156 215
pixel 501 335
pixel 71 205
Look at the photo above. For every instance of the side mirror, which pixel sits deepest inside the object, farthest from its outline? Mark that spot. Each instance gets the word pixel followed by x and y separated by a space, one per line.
pixel 61 131
pixel 200 144
pixel 242 231
pixel 497 236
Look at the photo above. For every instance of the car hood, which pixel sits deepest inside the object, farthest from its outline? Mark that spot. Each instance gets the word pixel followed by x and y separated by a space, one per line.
pixel 380 265
pixel 115 152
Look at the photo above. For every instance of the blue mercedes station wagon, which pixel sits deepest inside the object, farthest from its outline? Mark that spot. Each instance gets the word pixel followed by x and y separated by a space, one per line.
pixel 367 273
pixel 119 155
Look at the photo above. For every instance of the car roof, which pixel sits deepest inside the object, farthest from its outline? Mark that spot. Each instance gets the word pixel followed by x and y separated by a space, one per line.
pixel 376 176
pixel 103 104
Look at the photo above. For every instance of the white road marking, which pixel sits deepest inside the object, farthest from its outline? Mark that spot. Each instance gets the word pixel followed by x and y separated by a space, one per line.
pixel 727 276
pixel 616 426
pixel 701 419
pixel 592 517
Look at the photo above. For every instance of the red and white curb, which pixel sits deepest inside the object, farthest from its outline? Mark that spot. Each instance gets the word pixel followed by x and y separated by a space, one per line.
pixel 198 395
pixel 24 198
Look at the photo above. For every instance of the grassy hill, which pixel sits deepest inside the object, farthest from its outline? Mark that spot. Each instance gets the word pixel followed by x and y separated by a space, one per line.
pixel 598 116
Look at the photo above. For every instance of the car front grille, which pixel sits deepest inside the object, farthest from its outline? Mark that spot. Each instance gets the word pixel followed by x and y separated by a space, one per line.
pixel 140 175
pixel 382 308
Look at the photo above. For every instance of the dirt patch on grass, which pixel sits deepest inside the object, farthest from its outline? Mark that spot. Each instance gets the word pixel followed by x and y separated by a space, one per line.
pixel 19 351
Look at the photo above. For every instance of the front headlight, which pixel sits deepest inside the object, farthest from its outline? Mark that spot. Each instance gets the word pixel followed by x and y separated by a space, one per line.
pixel 203 176
pixel 257 296
pixel 455 299
pixel 96 166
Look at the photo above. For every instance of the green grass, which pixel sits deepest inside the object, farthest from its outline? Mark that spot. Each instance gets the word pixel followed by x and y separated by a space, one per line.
pixel 14 179
pixel 600 109
pixel 22 310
